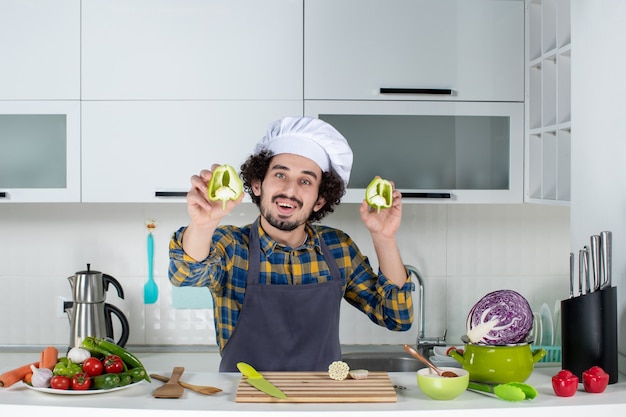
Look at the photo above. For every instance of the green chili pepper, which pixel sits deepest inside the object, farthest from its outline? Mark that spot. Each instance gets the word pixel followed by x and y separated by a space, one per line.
pixel 379 194
pixel 225 185
pixel 106 381
pixel 106 348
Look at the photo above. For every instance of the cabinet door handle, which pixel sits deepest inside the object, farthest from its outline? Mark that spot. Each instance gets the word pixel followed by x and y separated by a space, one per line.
pixel 170 193
pixel 441 91
pixel 426 195
pixel 3 194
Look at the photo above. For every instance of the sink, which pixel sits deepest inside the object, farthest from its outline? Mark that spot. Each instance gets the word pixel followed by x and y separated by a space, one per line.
pixel 382 361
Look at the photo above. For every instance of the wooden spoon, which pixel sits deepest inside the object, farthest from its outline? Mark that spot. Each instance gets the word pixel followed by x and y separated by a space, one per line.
pixel 417 355
pixel 171 389
pixel 206 390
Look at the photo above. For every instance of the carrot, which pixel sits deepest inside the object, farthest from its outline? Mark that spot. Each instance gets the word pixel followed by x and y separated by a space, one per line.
pixel 14 375
pixel 28 378
pixel 49 357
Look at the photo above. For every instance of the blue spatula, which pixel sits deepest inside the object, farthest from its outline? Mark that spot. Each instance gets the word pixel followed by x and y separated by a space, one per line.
pixel 150 289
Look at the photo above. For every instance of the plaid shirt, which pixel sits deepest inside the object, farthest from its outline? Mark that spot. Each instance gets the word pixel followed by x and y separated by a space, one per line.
pixel 224 271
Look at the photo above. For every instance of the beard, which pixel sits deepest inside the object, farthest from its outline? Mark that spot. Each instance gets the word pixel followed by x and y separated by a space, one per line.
pixel 284 225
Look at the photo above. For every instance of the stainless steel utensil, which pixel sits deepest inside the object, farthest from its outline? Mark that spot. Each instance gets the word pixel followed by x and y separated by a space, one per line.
pixel 571 275
pixel 581 271
pixel 606 255
pixel 595 262
pixel 587 271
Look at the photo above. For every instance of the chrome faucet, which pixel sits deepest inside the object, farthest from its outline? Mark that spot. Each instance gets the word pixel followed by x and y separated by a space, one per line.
pixel 424 344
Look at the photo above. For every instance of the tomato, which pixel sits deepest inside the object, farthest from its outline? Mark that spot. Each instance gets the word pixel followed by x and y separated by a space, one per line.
pixel 81 381
pixel 595 380
pixel 60 382
pixel 113 364
pixel 565 383
pixel 93 366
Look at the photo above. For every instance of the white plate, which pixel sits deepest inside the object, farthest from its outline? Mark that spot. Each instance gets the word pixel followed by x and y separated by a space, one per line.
pixel 557 323
pixel 441 350
pixel 79 392
pixel 547 325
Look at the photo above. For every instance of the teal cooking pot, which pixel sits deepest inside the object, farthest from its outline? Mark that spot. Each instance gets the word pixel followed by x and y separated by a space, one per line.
pixel 498 364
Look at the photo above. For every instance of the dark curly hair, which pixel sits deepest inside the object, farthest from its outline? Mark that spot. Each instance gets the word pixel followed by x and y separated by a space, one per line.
pixel 331 189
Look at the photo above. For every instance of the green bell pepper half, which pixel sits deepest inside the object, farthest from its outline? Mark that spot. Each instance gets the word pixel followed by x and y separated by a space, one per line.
pixel 379 194
pixel 225 185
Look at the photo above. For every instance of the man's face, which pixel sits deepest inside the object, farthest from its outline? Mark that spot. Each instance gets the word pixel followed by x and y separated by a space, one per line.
pixel 289 192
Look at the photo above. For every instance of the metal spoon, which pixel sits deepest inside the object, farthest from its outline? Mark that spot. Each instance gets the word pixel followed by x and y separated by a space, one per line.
pixel 418 356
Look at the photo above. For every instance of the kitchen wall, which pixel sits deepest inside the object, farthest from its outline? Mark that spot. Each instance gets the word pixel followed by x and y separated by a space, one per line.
pixel 598 136
pixel 462 251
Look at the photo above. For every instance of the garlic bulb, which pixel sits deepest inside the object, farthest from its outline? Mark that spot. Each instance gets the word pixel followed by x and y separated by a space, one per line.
pixel 41 377
pixel 78 354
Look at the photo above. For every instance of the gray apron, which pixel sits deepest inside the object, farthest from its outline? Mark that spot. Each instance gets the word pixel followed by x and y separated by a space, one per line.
pixel 286 327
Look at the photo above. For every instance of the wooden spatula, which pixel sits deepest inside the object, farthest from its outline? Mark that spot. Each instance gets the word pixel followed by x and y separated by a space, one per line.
pixel 171 389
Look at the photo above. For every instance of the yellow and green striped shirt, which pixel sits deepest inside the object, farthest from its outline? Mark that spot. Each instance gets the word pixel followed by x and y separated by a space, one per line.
pixel 224 272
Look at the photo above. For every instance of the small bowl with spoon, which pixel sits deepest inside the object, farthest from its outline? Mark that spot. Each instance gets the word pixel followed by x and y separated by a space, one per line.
pixel 444 383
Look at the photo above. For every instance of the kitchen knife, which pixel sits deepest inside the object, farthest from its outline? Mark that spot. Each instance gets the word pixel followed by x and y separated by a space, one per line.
pixel 595 262
pixel 586 257
pixel 257 381
pixel 606 249
pixel 571 274
pixel 581 271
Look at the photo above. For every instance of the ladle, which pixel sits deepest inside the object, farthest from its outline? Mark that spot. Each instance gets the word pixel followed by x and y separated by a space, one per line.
pixel 418 356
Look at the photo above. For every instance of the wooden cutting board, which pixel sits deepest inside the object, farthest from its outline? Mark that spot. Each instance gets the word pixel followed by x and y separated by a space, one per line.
pixel 317 387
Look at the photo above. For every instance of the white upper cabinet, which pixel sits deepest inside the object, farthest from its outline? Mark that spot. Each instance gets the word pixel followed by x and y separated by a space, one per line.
pixel 355 48
pixel 146 151
pixel 39 151
pixel 39 50
pixel 194 49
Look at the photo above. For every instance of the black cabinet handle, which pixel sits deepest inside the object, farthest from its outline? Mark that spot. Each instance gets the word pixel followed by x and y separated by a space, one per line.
pixel 440 91
pixel 426 195
pixel 3 194
pixel 170 193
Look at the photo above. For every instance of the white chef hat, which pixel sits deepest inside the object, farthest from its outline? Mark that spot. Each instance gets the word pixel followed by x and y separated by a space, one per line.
pixel 312 138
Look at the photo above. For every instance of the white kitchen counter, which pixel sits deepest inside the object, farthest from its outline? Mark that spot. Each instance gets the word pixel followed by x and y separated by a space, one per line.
pixel 137 400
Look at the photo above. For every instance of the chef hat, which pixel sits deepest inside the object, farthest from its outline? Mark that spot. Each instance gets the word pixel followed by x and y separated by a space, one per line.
pixel 311 138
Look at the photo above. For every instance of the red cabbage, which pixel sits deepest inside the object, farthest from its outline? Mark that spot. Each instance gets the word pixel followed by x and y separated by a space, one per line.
pixel 502 317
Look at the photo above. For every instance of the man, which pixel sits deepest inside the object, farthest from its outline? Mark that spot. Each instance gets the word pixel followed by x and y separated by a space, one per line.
pixel 277 284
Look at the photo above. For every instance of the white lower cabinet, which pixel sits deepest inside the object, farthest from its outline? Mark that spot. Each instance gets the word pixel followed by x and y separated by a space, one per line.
pixel 146 151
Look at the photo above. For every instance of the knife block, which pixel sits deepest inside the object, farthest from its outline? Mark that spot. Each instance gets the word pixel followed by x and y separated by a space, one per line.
pixel 589 332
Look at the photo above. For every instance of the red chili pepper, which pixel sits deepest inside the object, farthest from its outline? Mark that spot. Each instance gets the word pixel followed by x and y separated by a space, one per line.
pixel 595 380
pixel 565 383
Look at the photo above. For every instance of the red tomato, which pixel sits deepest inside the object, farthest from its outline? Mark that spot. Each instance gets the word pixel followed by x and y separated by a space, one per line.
pixel 113 364
pixel 81 381
pixel 60 382
pixel 565 383
pixel 93 366
pixel 595 380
